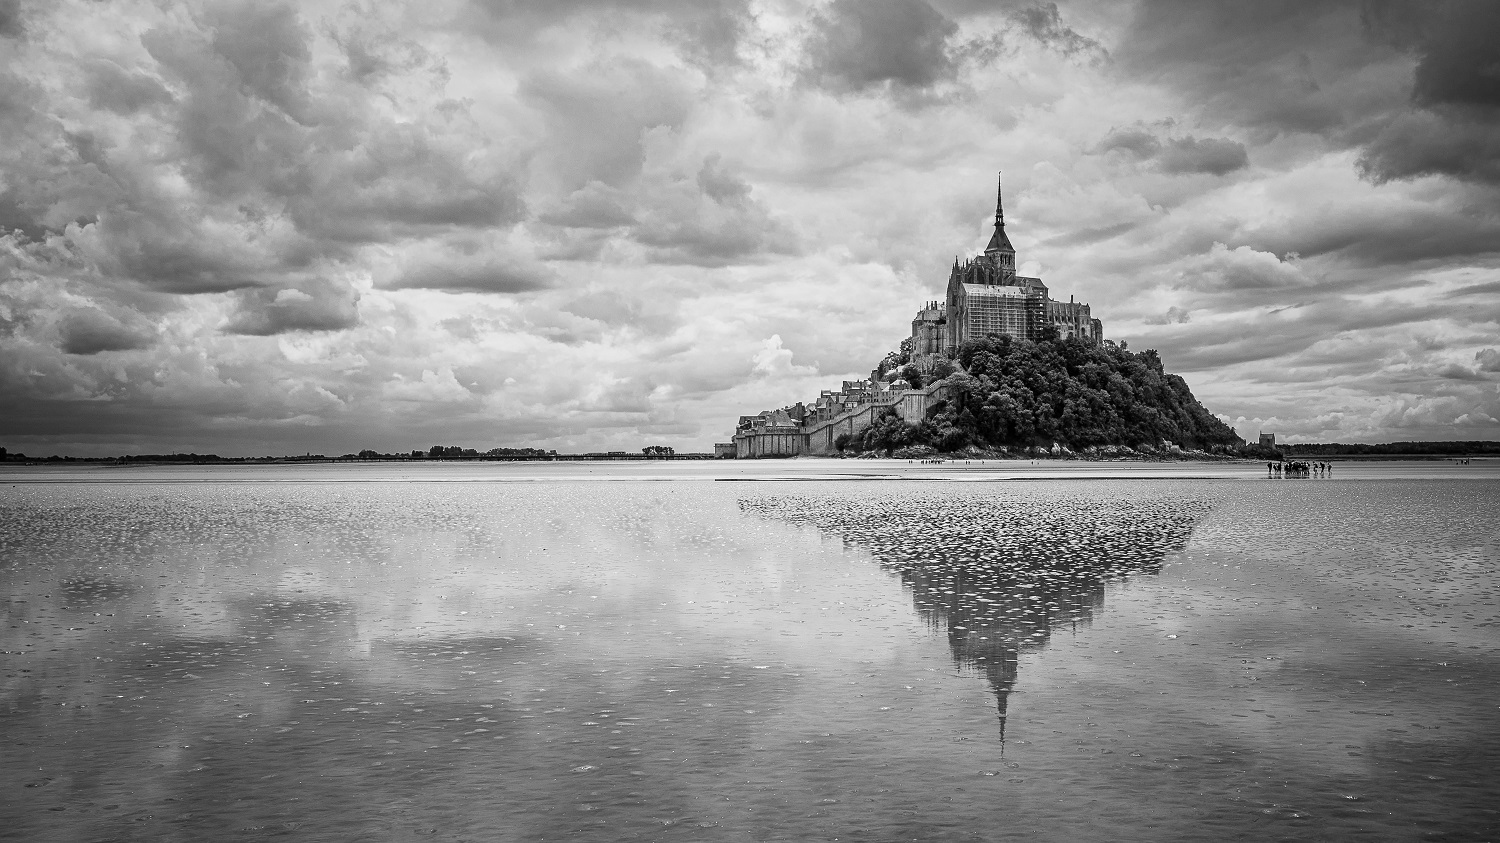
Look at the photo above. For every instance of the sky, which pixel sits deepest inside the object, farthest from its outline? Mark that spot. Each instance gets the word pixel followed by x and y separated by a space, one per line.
pixel 258 228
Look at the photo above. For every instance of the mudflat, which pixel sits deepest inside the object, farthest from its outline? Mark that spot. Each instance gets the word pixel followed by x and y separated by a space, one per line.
pixel 790 650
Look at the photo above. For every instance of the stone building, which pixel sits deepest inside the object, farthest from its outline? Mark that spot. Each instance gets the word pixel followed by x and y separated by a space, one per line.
pixel 928 329
pixel 986 296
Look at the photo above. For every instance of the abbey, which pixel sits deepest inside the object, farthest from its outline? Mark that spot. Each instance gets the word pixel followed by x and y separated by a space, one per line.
pixel 985 297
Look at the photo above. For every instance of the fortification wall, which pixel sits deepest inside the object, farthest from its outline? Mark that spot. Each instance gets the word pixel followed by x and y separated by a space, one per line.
pixel 910 404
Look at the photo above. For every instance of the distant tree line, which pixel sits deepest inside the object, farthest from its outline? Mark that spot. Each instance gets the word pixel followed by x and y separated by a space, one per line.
pixel 439 451
pixel 1021 393
pixel 1461 448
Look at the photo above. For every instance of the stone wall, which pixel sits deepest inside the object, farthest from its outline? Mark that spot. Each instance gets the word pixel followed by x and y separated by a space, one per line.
pixel 817 440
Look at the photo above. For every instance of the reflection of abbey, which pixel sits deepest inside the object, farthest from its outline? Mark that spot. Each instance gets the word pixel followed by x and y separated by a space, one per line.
pixel 985 297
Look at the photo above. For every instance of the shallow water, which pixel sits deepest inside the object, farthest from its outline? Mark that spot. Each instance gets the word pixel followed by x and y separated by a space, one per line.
pixel 1100 652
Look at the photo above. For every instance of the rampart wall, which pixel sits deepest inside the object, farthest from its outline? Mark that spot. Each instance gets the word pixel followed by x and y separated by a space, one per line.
pixel 817 440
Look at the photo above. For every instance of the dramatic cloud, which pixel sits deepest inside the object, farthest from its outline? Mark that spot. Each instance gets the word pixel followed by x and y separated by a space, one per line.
pixel 1215 156
pixel 1044 23
pixel 253 227
pixel 857 44
pixel 90 331
pixel 315 305
pixel 1454 126
pixel 10 19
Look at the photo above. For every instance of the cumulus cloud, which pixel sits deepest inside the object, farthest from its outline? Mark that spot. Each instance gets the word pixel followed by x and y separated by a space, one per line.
pixel 314 305
pixel 1174 316
pixel 112 87
pixel 11 25
pixel 86 331
pixel 1254 64
pixel 1043 22
pixel 711 220
pixel 1216 156
pixel 859 44
pixel 601 117
pixel 469 274
pixel 1241 268
pixel 1178 155
pixel 1453 126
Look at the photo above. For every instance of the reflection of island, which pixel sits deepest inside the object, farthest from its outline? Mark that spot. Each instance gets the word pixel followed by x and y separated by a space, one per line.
pixel 1000 571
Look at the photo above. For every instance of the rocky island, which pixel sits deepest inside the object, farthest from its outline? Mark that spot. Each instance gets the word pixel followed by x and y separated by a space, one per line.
pixel 997 369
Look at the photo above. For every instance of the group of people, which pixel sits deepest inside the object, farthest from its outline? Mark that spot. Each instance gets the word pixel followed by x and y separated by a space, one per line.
pixel 1298 469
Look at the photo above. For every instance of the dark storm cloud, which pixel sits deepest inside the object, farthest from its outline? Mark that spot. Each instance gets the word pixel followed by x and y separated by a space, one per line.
pixel 711 221
pixel 1476 289
pixel 15 215
pixel 1138 141
pixel 49 176
pixel 113 87
pixel 1425 143
pixel 599 118
pixel 267 45
pixel 1173 316
pixel 168 252
pixel 1454 126
pixel 706 32
pixel 859 44
pixel 251 130
pixel 481 276
pixel 1216 156
pixel 313 305
pixel 1275 66
pixel 722 186
pixel 398 186
pixel 234 139
pixel 1459 62
pixel 1282 333
pixel 594 205
pixel 1043 22
pixel 1488 360
pixel 1458 227
pixel 709 35
pixel 11 25
pixel 86 331
pixel 1324 68
pixel 1178 156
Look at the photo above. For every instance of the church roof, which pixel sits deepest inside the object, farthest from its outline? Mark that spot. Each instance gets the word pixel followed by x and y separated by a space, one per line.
pixel 998 241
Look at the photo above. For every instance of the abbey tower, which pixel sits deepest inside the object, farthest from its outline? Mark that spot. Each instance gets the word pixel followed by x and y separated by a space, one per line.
pixel 985 296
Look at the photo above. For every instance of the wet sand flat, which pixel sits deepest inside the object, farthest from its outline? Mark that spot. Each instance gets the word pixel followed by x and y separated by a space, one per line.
pixel 765 651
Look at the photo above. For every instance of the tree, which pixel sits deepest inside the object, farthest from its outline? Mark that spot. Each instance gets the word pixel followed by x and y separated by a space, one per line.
pixel 1017 392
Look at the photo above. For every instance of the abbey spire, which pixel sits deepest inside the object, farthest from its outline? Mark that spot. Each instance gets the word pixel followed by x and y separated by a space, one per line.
pixel 999 250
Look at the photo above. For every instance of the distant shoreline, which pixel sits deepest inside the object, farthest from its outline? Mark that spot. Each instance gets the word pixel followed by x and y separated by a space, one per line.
pixel 114 462
pixel 194 459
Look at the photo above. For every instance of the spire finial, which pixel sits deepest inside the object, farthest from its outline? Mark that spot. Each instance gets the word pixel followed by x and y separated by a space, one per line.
pixel 999 201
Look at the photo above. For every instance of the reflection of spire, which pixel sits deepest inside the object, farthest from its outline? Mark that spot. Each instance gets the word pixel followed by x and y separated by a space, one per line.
pixel 1000 586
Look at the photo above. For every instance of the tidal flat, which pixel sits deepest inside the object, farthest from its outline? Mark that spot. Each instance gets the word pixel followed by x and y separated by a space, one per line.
pixel 799 650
